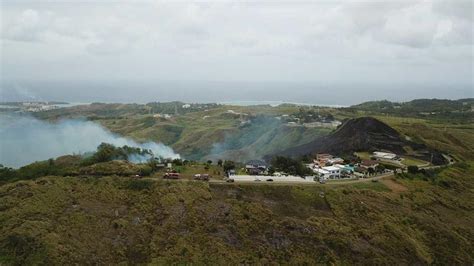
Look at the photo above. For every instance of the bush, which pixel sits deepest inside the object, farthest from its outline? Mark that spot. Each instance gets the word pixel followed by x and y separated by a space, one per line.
pixel 177 162
pixel 146 170
pixel 290 166
pixel 228 165
pixel 139 185
pixel 413 169
pixel 24 250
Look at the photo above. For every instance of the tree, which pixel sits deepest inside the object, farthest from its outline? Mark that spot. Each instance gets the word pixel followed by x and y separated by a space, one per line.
pixel 153 163
pixel 413 169
pixel 177 162
pixel 271 170
pixel 105 152
pixel 209 162
pixel 380 168
pixel 228 165
pixel 371 170
pixel 219 162
pixel 290 166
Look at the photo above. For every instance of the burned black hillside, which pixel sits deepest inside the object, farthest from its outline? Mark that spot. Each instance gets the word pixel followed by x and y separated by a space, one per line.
pixel 366 134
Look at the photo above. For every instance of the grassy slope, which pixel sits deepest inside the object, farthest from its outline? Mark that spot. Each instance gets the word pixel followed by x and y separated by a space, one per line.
pixel 114 220
pixel 193 136
pixel 457 139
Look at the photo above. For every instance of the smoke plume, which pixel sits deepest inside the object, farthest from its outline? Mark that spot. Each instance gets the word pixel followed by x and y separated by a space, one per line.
pixel 24 140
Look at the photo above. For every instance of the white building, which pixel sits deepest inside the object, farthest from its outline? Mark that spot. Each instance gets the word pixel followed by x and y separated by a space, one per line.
pixel 334 172
pixel 385 155
pixel 336 160
pixel 328 172
pixel 321 173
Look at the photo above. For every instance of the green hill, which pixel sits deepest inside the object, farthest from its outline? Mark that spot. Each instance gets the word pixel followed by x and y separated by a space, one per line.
pixel 118 220
pixel 447 110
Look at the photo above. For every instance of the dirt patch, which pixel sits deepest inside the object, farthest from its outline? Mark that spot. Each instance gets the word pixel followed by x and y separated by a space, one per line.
pixel 394 186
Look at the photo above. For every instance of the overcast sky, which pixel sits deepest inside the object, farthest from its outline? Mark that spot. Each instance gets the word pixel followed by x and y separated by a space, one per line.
pixel 346 47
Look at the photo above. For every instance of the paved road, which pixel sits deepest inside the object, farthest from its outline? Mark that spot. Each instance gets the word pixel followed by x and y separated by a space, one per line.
pixel 281 181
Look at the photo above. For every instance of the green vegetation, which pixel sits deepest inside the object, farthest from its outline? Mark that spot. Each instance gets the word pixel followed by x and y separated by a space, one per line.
pixel 107 152
pixel 447 110
pixel 65 211
pixel 113 220
pixel 290 166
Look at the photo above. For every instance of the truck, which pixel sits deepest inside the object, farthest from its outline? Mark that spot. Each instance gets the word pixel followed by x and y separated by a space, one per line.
pixel 202 177
pixel 171 176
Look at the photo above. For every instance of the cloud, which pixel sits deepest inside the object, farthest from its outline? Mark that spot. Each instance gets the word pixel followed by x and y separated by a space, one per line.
pixel 462 9
pixel 216 40
pixel 413 27
pixel 28 27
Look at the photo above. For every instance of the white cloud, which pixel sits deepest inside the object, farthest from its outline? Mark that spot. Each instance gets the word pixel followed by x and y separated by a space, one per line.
pixel 413 27
pixel 244 41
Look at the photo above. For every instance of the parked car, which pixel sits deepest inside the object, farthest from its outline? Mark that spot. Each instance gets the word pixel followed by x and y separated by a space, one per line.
pixel 203 177
pixel 171 176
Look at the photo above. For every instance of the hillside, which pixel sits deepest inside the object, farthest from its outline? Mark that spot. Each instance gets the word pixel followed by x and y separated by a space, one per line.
pixel 201 132
pixel 210 131
pixel 447 110
pixel 365 134
pixel 117 220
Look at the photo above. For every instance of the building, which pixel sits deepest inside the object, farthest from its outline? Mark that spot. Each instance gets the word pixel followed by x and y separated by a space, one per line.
pixel 385 155
pixel 335 161
pixel 369 164
pixel 328 172
pixel 255 167
pixel 322 159
pixel 321 173
pixel 334 172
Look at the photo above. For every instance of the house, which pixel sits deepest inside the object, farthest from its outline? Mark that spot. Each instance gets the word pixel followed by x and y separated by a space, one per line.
pixel 328 172
pixel 369 164
pixel 321 173
pixel 335 161
pixel 345 167
pixel 322 159
pixel 334 172
pixel 255 167
pixel 186 106
pixel 360 171
pixel 385 155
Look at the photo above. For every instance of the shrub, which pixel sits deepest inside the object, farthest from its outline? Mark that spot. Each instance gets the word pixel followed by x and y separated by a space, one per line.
pixel 412 169
pixel 139 184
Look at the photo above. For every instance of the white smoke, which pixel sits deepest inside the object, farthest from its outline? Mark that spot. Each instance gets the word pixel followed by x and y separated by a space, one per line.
pixel 24 140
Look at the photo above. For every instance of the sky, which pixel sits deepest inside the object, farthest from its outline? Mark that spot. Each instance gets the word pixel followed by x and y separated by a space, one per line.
pixel 332 52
